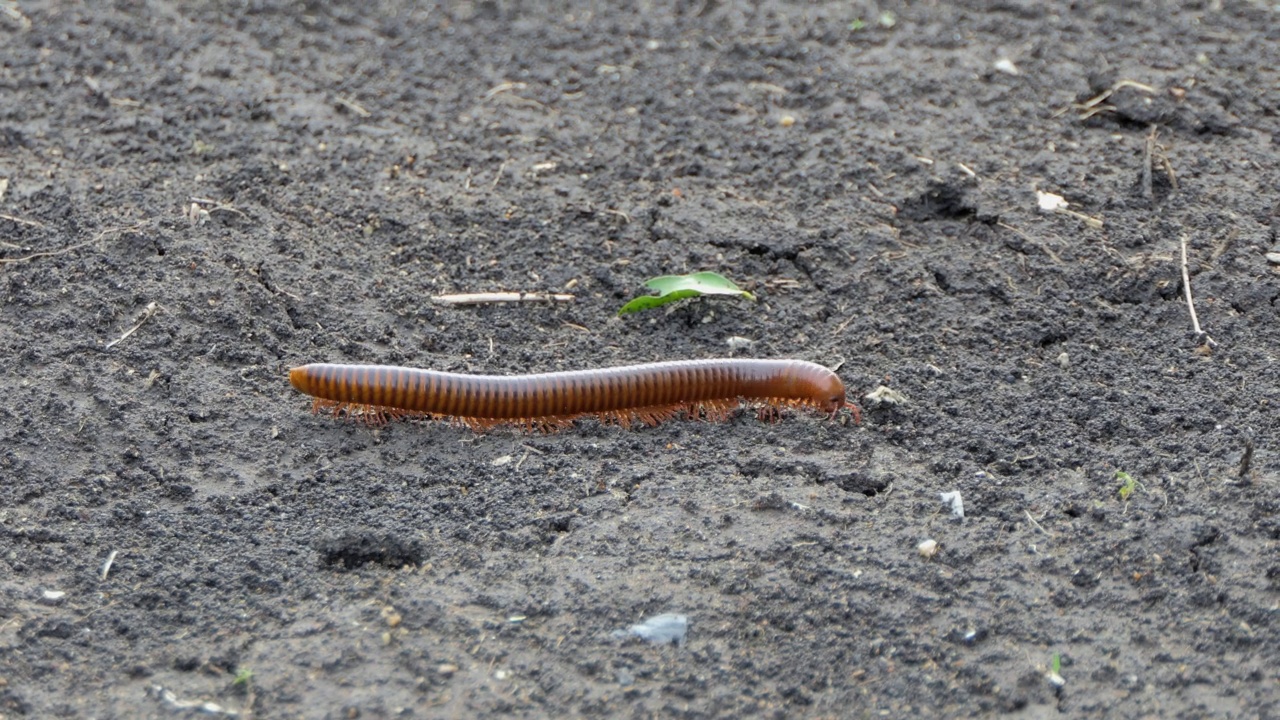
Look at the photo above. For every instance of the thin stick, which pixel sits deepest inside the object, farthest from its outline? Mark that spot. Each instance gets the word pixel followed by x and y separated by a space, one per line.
pixel 146 315
pixel 47 253
pixel 1201 335
pixel 1148 159
pixel 1039 246
pixel 1246 460
pixel 11 9
pixel 106 566
pixel 21 221
pixel 65 250
pixel 352 105
pixel 500 297
pixel 1037 525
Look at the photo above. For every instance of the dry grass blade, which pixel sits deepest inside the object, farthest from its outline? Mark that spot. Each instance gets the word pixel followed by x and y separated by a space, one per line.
pixel 500 297
pixel 70 248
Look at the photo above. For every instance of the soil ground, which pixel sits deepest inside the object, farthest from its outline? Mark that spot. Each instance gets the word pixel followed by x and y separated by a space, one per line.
pixel 178 534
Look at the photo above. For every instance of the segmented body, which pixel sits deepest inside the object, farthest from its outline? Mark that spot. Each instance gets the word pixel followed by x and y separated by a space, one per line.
pixel 646 393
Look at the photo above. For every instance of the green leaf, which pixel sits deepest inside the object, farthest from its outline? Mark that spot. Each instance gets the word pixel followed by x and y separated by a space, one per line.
pixel 679 287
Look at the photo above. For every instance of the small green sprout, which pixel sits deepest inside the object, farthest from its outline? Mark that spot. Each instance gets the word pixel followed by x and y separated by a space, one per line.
pixel 678 287
pixel 1054 676
pixel 857 24
pixel 1127 485
pixel 243 676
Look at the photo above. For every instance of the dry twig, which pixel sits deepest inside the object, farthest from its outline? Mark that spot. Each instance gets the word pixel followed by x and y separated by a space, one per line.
pixel 106 566
pixel 21 221
pixel 147 314
pixel 1096 104
pixel 1035 524
pixel 500 297
pixel 65 250
pixel 1155 153
pixel 1201 335
pixel 353 106
pixel 10 8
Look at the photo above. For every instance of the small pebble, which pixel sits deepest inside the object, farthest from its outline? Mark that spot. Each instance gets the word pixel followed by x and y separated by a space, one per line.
pixel 1006 66
pixel 928 549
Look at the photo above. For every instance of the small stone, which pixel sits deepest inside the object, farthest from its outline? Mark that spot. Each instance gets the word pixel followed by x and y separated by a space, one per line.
pixel 928 549
pixel 1006 66
pixel 1273 258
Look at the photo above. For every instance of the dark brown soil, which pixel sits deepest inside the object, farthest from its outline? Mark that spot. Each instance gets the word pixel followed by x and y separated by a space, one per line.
pixel 871 177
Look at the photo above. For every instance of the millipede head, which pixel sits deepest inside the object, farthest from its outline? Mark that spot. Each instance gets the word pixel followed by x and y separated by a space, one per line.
pixel 853 410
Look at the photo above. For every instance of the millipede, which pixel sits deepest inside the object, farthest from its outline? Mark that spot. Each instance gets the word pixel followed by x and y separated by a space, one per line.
pixel 648 393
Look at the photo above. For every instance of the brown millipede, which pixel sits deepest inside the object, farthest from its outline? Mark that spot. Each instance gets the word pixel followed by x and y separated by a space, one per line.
pixel 647 393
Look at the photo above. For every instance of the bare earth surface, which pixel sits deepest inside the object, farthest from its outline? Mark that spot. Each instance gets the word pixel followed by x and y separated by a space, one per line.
pixel 869 171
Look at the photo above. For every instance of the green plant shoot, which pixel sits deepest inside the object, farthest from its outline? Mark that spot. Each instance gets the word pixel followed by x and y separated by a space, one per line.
pixel 1127 485
pixel 671 288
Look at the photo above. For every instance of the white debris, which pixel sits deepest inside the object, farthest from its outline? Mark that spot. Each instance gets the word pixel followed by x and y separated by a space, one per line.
pixel 737 342
pixel 664 629
pixel 1006 66
pixel 1050 202
pixel 208 708
pixel 928 549
pixel 884 396
pixel 955 502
